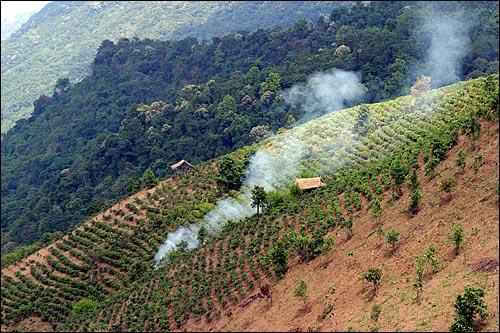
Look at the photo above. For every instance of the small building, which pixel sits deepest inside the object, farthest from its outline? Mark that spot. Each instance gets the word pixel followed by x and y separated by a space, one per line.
pixel 183 166
pixel 310 183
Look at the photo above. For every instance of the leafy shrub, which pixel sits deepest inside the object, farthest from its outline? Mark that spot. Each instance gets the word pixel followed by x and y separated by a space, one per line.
pixel 467 306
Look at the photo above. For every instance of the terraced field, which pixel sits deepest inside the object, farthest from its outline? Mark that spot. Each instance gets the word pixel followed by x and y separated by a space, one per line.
pixel 365 154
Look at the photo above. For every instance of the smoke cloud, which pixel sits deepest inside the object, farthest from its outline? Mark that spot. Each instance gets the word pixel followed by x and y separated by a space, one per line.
pixel 324 93
pixel 449 43
pixel 276 168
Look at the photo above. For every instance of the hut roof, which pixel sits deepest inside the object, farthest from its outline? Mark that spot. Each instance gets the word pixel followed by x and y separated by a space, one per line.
pixel 180 163
pixel 310 183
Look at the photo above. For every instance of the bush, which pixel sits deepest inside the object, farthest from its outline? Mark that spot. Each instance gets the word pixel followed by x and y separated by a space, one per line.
pixel 467 306
pixel 85 306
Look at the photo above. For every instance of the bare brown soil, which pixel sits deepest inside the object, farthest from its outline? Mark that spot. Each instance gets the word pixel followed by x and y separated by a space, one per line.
pixel 474 202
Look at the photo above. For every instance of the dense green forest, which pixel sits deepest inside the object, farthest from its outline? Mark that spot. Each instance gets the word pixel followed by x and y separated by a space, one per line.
pixel 150 103
pixel 80 26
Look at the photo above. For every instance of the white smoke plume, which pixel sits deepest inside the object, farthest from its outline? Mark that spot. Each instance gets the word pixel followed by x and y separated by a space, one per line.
pixel 324 93
pixel 449 43
pixel 274 169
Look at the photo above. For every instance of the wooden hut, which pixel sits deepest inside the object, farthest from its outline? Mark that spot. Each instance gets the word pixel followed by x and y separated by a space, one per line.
pixel 183 166
pixel 310 183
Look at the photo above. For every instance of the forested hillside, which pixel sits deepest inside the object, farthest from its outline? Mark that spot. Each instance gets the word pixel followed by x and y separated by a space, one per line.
pixel 407 219
pixel 150 103
pixel 11 24
pixel 33 59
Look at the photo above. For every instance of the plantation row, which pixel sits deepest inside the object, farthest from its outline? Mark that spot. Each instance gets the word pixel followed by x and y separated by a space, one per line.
pixel 97 259
pixel 109 263
pixel 201 283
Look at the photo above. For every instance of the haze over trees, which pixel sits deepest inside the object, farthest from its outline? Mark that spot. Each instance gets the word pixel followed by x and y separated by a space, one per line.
pixel 81 26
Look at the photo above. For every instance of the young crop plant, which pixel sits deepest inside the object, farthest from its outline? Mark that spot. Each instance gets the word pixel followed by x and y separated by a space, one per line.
pixel 392 238
pixel 448 184
pixel 478 162
pixel 456 235
pixel 300 291
pixel 279 259
pixel 467 307
pixel 431 258
pixel 415 199
pixel 419 282
pixel 460 160
pixel 373 275
pixel 374 316
pixel 376 207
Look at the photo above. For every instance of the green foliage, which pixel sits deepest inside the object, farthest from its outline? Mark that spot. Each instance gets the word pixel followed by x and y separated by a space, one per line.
pixel 155 20
pixel 144 133
pixel 24 251
pixel 376 207
pixel 472 127
pixel 308 248
pixel 380 231
pixel 467 307
pixel 431 258
pixel 271 84
pixel 431 164
pixel 150 103
pixel 229 173
pixel 392 237
pixel 202 234
pixel 276 201
pixel 460 160
pixel 258 197
pixel 477 163
pixel 348 224
pixel 399 169
pixel 279 259
pixel 415 199
pixel 456 235
pixel 447 184
pixel 373 275
pixel 85 306
pixel 295 189
pixel 362 121
pixel 300 291
pixel 413 180
pixel 418 284
pixel 150 179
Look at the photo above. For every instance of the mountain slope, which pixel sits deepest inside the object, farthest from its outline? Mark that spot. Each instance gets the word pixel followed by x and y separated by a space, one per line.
pixel 96 277
pixel 150 103
pixel 13 23
pixel 80 26
pixel 473 203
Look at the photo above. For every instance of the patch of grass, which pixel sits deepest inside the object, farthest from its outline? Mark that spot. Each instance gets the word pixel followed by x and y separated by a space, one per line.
pixel 486 198
pixel 424 325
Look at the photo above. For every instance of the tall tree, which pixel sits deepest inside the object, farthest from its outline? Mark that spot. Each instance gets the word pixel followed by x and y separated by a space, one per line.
pixel 258 197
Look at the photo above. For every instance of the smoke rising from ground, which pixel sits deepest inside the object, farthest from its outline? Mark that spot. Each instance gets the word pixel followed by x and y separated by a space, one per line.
pixel 274 169
pixel 324 93
pixel 449 43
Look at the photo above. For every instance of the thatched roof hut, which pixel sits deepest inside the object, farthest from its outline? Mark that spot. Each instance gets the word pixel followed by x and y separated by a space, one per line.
pixel 310 183
pixel 183 166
